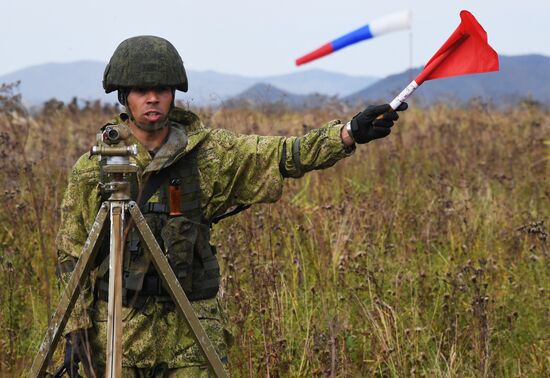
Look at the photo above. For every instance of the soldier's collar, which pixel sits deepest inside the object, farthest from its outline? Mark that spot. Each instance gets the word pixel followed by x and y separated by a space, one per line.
pixel 170 151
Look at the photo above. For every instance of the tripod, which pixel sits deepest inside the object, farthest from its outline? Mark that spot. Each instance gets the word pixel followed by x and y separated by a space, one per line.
pixel 112 145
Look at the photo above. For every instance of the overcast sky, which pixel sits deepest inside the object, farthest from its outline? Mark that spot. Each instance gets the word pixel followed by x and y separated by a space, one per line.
pixel 257 37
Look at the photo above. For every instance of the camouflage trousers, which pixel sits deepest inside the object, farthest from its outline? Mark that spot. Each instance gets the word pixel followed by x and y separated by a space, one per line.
pixel 156 341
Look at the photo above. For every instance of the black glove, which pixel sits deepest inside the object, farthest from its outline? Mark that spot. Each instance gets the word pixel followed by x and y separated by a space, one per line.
pixel 366 126
pixel 76 350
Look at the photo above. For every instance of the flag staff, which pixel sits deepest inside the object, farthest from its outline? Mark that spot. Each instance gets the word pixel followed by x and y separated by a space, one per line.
pixel 410 53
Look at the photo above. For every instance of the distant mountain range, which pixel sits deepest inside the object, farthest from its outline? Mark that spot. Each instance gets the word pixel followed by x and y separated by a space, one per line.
pixel 82 79
pixel 520 77
pixel 261 95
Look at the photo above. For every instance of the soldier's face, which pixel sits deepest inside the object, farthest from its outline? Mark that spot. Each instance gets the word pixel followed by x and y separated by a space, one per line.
pixel 149 106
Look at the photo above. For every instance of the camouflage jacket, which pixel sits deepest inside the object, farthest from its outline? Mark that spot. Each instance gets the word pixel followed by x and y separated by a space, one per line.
pixel 234 169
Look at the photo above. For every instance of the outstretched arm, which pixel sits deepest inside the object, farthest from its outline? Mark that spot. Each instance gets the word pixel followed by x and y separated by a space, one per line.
pixel 247 169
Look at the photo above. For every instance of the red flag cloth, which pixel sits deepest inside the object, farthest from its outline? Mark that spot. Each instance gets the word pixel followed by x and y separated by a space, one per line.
pixel 465 52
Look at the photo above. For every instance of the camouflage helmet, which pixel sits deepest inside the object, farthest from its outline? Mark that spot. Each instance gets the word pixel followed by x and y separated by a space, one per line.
pixel 145 61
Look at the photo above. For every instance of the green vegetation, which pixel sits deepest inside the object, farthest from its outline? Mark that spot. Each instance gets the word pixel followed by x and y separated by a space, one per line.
pixel 424 254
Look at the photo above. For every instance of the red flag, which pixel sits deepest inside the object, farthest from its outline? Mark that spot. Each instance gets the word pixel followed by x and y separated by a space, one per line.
pixel 465 52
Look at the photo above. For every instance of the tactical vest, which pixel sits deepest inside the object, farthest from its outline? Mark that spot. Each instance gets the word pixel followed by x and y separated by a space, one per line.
pixel 184 239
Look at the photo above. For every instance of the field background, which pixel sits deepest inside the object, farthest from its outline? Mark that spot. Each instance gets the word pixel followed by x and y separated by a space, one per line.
pixel 424 254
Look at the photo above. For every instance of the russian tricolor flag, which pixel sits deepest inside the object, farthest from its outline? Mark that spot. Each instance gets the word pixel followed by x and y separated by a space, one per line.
pixel 388 24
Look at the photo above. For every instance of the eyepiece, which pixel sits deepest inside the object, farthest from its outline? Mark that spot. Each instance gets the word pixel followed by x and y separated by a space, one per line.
pixel 112 134
pixel 115 133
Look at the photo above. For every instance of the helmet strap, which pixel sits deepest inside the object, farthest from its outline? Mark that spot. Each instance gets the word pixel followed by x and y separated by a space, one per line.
pixel 122 95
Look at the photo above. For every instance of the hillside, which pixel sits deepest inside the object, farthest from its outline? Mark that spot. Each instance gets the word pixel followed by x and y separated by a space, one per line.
pixel 82 79
pixel 263 94
pixel 524 76
pixel 519 77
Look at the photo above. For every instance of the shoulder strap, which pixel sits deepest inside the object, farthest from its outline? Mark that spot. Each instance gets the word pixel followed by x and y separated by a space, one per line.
pixel 154 182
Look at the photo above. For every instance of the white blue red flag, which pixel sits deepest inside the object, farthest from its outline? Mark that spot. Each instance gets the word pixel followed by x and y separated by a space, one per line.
pixel 384 25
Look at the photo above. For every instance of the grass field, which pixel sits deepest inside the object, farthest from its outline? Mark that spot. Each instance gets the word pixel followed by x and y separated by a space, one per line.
pixel 424 254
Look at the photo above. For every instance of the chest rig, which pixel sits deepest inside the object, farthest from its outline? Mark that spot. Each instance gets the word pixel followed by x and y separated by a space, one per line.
pixel 181 233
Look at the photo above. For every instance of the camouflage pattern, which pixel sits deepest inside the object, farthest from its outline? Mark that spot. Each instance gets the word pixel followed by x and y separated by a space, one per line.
pixel 145 61
pixel 233 169
pixel 155 334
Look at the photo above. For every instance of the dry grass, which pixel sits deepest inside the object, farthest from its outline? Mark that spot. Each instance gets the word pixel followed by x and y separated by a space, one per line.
pixel 424 254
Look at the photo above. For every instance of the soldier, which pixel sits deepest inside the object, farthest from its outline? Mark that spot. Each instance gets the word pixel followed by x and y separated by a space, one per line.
pixel 218 170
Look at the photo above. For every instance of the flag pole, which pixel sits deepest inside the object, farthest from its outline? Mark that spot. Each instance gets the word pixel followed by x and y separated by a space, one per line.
pixel 411 53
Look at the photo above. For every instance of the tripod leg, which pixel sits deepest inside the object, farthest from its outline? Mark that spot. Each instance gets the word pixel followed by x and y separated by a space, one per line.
pixel 176 292
pixel 68 299
pixel 114 314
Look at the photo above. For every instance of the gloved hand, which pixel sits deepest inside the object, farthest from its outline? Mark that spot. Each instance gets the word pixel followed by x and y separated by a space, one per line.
pixel 366 126
pixel 76 350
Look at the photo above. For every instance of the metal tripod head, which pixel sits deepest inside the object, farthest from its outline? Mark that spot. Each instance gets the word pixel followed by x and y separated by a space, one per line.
pixel 112 146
